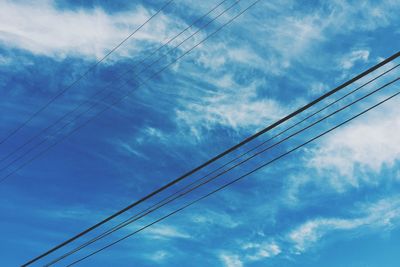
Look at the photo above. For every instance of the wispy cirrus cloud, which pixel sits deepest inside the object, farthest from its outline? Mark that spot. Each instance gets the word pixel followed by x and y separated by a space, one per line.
pixel 226 87
pixel 384 213
pixel 236 107
pixel 349 60
pixel 260 251
pixel 159 256
pixel 278 42
pixel 163 231
pixel 230 260
pixel 212 218
pixel 366 145
pixel 43 29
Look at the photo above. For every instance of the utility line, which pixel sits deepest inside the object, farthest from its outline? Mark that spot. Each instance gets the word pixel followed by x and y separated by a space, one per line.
pixel 91 107
pixel 247 140
pixel 154 192
pixel 13 132
pixel 99 113
pixel 235 180
pixel 83 103
pixel 179 192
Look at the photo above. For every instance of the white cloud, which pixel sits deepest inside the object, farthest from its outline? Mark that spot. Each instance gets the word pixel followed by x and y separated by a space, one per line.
pixel 146 134
pixel 298 36
pixel 261 250
pixel 318 88
pixel 212 218
pixel 310 232
pixel 159 256
pixel 165 232
pixel 380 214
pixel 230 260
pixel 238 108
pixel 349 60
pixel 40 28
pixel 294 36
pixel 150 134
pixel 230 52
pixel 365 145
pixel 283 38
pixel 366 15
pixel 129 149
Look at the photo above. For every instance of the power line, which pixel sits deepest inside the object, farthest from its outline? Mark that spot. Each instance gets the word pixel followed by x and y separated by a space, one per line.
pixel 118 100
pixel 235 180
pixel 179 194
pixel 82 76
pixel 106 96
pixel 114 103
pixel 155 192
pixel 83 103
pixel 102 111
pixel 247 140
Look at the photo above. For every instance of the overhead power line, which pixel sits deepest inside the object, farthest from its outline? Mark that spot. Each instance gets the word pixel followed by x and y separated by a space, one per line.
pixel 91 107
pixel 83 103
pixel 235 180
pixel 247 140
pixel 181 192
pixel 54 98
pixel 2 179
pixel 159 190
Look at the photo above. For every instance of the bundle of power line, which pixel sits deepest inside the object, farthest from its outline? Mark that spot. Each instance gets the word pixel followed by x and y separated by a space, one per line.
pixel 338 107
pixel 256 151
pixel 384 81
pixel 89 105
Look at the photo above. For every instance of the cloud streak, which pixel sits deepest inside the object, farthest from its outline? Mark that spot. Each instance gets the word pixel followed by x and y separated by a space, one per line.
pixel 42 29
pixel 366 145
pixel 383 214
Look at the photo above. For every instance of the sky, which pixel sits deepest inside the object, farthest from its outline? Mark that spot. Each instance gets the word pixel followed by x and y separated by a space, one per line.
pixel 332 203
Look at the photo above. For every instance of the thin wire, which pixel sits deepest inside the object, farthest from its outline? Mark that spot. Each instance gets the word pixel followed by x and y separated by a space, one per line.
pixel 197 31
pixel 139 215
pixel 82 76
pixel 148 196
pixel 108 95
pixel 83 103
pixel 274 125
pixel 88 110
pixel 235 180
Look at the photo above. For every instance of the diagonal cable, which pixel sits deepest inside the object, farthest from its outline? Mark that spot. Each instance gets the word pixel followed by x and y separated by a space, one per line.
pixel 179 193
pixel 108 86
pixel 104 98
pixel 236 180
pixel 91 107
pixel 148 196
pixel 247 140
pixel 54 98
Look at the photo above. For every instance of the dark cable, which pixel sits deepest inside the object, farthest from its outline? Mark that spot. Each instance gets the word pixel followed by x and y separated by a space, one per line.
pixel 148 196
pixel 274 125
pixel 82 76
pixel 102 111
pixel 152 209
pixel 91 107
pixel 235 180
pixel 83 103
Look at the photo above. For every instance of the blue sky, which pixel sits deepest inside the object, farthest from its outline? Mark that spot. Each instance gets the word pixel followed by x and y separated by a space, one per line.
pixel 333 203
